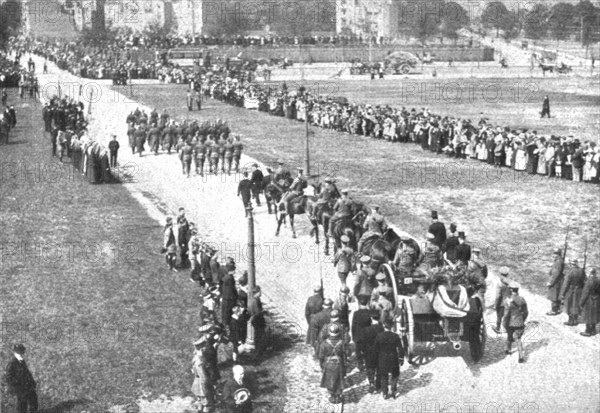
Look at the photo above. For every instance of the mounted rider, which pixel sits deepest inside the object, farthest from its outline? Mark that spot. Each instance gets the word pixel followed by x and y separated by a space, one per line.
pixel 329 195
pixel 375 225
pixel 282 173
pixel 406 258
pixel 342 208
pixel 296 189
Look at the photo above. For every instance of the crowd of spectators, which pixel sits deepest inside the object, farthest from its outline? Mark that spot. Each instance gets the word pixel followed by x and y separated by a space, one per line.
pixel 563 157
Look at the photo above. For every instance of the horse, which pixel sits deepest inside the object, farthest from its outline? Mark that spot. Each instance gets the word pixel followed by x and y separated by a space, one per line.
pixel 381 248
pixel 351 226
pixel 546 68
pixel 322 218
pixel 274 192
pixel 297 206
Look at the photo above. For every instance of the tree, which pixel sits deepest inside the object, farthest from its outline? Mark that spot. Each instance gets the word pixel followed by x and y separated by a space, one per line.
pixel 535 21
pixel 10 19
pixel 454 18
pixel 589 21
pixel 561 20
pixel 494 16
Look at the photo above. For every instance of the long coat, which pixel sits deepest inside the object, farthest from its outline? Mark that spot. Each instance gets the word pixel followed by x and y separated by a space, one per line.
pixel 556 279
pixel 317 321
pixel 390 353
pixel 314 304
pixel 572 288
pixel 590 298
pixel 332 355
pixel 18 377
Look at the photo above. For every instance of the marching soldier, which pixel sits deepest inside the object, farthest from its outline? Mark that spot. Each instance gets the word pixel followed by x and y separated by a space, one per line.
pixel 333 356
pixel 221 145
pixel 317 321
pixel 214 157
pixel 228 147
pixel 438 229
pixel 245 191
pixel 237 152
pixel 555 282
pixel 502 293
pixel 200 156
pixel 514 320
pixel 314 304
pixel 344 260
pixel 571 292
pixel 341 305
pixel 257 179
pixel 186 157
pixel 390 356
pixel 589 303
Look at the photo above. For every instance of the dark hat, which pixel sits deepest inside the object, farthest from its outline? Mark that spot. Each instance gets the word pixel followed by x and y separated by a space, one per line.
pixel 375 314
pixel 434 214
pixel 244 278
pixel 461 234
pixel 345 290
pixel 363 300
pixel 19 348
pixel 327 303
pixel 169 219
pixel 452 227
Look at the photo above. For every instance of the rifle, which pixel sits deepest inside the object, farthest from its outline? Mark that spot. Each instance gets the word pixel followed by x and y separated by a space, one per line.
pixel 585 254
pixel 566 245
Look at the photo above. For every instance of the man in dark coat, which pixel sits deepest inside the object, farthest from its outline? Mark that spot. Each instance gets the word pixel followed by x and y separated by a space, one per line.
pixel 228 297
pixel 361 319
pixel 438 229
pixel 333 358
pixel 546 107
pixel 317 321
pixel 502 293
pixel 183 237
pixel 257 183
pixel 113 147
pixel 235 391
pixel 463 250
pixel 20 382
pixel 571 292
pixel 390 356
pixel 245 192
pixel 369 335
pixel 514 319
pixel 555 282
pixel 314 304
pixel 589 303
pixel 449 248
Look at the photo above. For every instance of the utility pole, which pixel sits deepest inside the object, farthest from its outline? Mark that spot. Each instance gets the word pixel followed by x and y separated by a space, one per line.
pixel 250 345
pixel 193 20
pixel 307 151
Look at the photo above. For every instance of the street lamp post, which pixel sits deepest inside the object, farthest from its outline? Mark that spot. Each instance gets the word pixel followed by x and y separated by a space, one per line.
pixel 250 344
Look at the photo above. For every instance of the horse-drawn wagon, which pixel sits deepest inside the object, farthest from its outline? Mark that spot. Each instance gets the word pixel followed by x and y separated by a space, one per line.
pixel 431 304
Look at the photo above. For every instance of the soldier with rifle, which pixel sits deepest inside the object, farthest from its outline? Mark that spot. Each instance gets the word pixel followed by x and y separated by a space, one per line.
pixel 557 277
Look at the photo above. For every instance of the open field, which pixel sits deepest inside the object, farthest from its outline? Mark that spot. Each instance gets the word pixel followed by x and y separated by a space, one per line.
pixel 517 219
pixel 103 320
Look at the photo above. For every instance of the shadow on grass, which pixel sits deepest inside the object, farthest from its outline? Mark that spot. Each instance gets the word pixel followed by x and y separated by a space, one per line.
pixel 67 406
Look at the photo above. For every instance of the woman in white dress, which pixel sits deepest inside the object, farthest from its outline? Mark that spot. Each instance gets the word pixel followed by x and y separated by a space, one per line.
pixel 508 154
pixel 588 170
pixel 521 158
pixel 481 150
pixel 541 167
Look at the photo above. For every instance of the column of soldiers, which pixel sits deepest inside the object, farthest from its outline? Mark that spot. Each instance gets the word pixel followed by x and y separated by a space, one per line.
pixel 210 146
pixel 226 320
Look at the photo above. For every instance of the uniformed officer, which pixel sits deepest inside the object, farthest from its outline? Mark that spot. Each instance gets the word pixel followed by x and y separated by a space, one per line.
pixel 214 157
pixel 245 192
pixel 296 189
pixel 571 292
pixel 432 255
pixel 221 144
pixel 406 258
pixel 478 264
pixel 502 293
pixel 282 173
pixel 390 356
pixel 333 357
pixel 365 282
pixel 514 319
pixel 342 208
pixel 170 245
pixel 438 229
pixel 317 321
pixel 186 157
pixel 342 306
pixel 344 260
pixel 590 303
pixel 556 277
pixel 375 224
pixel 381 297
pixel 314 304
pixel 328 195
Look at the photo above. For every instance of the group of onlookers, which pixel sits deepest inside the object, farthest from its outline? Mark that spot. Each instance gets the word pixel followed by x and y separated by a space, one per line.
pixel 565 157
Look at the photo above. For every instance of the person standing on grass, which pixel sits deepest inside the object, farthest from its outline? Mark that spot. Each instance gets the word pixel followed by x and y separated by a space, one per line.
pixel 555 282
pixel 20 381
pixel 169 245
pixel 514 320
pixel 189 100
pixel 571 292
pixel 546 107
pixel 590 303
pixel 113 147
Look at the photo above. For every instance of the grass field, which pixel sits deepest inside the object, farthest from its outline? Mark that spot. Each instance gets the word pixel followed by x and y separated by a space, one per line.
pixel 517 219
pixel 103 320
